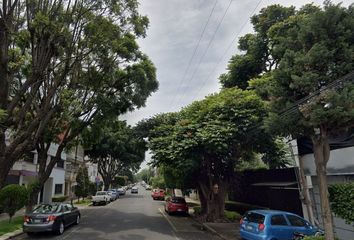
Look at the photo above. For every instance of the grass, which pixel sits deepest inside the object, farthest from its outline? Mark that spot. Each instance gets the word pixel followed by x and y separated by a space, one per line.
pixel 82 202
pixel 6 227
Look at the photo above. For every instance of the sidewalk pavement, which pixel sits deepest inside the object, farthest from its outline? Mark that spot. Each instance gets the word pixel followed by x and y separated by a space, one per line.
pixel 226 231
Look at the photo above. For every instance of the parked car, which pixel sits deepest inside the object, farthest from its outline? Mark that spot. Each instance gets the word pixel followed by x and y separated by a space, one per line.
pixel 158 194
pixel 121 191
pixel 176 205
pixel 271 224
pixel 134 190
pixel 51 218
pixel 148 187
pixel 101 197
pixel 113 195
pixel 116 191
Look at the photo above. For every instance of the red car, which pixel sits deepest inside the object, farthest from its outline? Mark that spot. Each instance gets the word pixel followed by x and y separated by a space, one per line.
pixel 176 205
pixel 158 194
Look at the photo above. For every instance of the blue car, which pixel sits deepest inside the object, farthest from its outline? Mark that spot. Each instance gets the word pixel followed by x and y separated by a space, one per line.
pixel 274 225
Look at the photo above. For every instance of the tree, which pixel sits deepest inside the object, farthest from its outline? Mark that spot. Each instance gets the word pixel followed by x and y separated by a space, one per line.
pixel 315 50
pixel 206 140
pixel 341 197
pixel 117 150
pixel 82 189
pixel 66 64
pixel 257 53
pixel 12 198
pixel 145 175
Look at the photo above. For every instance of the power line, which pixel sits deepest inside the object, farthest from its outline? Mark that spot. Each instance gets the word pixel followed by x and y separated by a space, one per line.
pixel 227 50
pixel 194 52
pixel 206 50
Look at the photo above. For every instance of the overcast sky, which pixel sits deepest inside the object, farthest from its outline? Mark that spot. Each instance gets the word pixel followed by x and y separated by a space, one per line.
pixel 175 29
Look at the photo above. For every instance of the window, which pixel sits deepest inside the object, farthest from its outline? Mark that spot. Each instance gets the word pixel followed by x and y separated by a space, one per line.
pixel 278 220
pixel 296 221
pixel 255 218
pixel 60 164
pixel 58 189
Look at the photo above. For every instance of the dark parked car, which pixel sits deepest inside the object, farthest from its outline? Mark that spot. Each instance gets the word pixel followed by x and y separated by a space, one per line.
pixel 272 224
pixel 176 205
pixel 51 218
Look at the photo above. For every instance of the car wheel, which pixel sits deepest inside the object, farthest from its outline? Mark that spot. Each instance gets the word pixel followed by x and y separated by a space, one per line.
pixel 93 203
pixel 61 228
pixel 77 220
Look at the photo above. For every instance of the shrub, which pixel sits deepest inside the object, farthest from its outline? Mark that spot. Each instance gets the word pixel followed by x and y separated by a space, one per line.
pixel 197 210
pixel 12 198
pixel 341 197
pixel 314 238
pixel 232 216
pixel 59 199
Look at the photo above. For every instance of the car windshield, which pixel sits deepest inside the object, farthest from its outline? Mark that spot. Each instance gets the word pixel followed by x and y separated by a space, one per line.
pixel 101 193
pixel 254 217
pixel 178 200
pixel 47 208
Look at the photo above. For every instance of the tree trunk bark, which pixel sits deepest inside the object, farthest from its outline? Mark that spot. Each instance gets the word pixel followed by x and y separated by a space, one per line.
pixel 33 198
pixel 321 153
pixel 212 203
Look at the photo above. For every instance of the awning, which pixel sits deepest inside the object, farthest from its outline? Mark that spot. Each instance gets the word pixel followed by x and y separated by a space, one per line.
pixel 274 184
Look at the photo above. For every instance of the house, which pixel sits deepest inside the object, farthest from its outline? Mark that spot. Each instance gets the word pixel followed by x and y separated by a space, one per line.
pixel 25 171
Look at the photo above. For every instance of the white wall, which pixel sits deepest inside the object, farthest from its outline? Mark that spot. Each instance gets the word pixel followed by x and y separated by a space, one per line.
pixel 341 162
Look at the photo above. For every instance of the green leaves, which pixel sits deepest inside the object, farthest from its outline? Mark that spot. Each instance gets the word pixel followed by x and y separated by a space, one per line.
pixel 342 200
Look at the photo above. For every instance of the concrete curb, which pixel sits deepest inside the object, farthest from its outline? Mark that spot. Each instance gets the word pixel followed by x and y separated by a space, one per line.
pixel 210 229
pixel 12 234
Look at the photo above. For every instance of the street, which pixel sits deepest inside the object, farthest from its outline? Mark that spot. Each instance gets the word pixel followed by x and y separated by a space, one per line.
pixel 132 217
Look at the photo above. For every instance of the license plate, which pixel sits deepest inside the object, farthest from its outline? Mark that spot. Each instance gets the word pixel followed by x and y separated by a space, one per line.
pixel 249 227
pixel 37 221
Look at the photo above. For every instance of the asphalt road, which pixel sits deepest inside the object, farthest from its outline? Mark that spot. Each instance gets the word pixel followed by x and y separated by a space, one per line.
pixel 132 217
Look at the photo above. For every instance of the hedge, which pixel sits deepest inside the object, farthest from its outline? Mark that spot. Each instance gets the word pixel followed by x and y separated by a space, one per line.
pixel 59 199
pixel 341 197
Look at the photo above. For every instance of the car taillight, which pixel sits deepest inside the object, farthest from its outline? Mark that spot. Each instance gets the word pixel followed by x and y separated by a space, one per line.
pixel 241 220
pixel 26 219
pixel 51 218
pixel 261 227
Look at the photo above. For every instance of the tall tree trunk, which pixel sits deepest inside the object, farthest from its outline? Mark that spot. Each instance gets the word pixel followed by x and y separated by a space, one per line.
pixel 212 200
pixel 322 152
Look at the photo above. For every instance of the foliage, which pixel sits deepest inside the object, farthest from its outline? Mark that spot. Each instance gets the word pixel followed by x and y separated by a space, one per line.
pixel 197 210
pixel 145 175
pixel 91 70
pixel 6 227
pixel 13 197
pixel 119 181
pixel 116 148
pixel 232 216
pixel 158 181
pixel 82 189
pixel 59 199
pixel 257 56
pixel 341 197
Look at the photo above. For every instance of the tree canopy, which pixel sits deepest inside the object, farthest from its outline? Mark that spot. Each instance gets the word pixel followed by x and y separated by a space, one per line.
pixel 116 149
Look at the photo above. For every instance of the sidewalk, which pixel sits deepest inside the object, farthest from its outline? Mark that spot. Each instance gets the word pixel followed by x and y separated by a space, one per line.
pixel 226 231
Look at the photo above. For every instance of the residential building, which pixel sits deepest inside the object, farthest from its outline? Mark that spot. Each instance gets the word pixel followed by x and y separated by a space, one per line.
pixel 74 160
pixel 25 171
